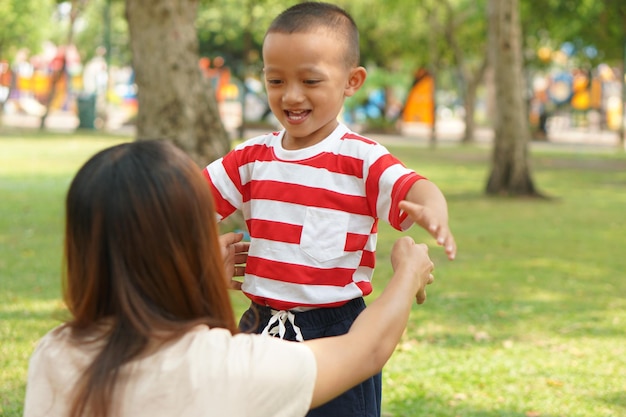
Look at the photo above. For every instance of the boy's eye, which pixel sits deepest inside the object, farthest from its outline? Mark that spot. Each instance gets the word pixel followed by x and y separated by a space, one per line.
pixel 273 81
pixel 311 82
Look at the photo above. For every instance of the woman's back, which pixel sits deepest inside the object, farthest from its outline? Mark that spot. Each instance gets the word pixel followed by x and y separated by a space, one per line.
pixel 207 372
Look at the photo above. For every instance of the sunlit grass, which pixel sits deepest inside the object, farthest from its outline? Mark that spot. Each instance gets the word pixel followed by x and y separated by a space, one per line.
pixel 529 320
pixel 22 320
pixel 35 171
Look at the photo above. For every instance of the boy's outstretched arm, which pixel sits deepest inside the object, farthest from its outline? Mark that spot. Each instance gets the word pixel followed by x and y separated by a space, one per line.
pixel 426 205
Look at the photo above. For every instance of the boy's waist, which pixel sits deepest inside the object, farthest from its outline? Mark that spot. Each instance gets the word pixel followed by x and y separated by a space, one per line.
pixel 298 306
pixel 284 295
pixel 337 311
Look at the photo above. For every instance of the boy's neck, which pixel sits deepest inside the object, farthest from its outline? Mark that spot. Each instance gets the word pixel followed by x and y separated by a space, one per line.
pixel 291 143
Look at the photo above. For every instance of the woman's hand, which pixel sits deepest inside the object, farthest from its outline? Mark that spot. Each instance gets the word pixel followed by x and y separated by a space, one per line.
pixel 235 255
pixel 414 256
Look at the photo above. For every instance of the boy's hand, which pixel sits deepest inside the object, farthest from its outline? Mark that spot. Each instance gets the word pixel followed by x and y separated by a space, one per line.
pixel 235 255
pixel 428 219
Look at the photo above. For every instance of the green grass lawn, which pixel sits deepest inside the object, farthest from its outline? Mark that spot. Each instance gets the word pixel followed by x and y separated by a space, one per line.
pixel 528 321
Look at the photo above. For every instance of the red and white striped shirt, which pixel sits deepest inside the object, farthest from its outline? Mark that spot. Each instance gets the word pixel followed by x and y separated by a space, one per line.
pixel 312 214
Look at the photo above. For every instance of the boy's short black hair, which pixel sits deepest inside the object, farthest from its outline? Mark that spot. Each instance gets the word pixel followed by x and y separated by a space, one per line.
pixel 310 15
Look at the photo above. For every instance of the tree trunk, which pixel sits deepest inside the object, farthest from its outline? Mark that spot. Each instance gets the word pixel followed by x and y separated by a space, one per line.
pixel 175 102
pixel 510 174
pixel 432 139
pixel 435 60
pixel 472 82
pixel 470 126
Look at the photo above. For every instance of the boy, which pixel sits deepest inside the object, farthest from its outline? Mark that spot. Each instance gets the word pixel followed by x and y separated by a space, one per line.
pixel 312 193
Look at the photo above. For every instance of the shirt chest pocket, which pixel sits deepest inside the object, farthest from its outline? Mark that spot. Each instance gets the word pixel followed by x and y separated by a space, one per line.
pixel 324 233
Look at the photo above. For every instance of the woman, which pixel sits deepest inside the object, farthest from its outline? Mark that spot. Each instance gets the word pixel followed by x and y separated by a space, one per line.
pixel 152 331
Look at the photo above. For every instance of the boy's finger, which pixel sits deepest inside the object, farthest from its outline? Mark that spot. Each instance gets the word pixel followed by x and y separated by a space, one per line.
pixel 450 247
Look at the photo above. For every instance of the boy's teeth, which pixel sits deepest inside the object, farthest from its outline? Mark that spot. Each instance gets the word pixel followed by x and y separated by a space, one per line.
pixel 296 114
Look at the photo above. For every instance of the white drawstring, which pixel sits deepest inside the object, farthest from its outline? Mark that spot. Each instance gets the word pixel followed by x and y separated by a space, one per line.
pixel 280 317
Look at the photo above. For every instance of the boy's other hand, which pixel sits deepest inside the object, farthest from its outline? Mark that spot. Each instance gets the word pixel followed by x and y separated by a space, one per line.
pixel 433 224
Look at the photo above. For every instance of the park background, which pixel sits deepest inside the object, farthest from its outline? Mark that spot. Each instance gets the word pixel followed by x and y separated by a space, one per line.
pixel 530 320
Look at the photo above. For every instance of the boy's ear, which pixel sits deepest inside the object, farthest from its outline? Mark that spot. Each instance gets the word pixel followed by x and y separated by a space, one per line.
pixel 355 81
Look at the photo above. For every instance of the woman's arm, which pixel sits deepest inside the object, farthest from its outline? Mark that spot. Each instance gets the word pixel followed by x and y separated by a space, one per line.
pixel 344 361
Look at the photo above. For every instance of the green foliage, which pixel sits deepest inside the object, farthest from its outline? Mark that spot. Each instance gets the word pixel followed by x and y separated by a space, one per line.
pixel 235 30
pixel 24 25
pixel 528 320
pixel 28 23
pixel 391 32
pixel 103 24
pixel 587 23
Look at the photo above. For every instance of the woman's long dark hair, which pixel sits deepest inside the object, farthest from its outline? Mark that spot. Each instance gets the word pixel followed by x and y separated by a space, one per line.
pixel 142 255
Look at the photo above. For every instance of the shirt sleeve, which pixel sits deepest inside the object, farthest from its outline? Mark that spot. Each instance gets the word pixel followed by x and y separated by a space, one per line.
pixel 387 183
pixel 223 178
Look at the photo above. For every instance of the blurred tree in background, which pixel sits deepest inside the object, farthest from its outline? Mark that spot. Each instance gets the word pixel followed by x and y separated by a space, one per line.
pixel 175 101
pixel 447 38
pixel 510 172
pixel 103 24
pixel 234 30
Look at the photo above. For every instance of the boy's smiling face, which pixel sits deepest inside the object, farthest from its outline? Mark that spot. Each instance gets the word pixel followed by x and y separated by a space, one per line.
pixel 307 79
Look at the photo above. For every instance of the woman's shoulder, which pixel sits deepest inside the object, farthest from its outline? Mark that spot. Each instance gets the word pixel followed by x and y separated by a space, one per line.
pixel 61 341
pixel 58 359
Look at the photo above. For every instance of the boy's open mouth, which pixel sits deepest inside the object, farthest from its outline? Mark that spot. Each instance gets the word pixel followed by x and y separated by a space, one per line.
pixel 297 115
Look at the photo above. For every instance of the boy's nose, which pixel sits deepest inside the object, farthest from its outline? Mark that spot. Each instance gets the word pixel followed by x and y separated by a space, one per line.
pixel 293 94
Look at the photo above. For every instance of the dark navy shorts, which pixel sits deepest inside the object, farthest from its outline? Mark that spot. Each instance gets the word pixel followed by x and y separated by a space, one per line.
pixel 360 401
